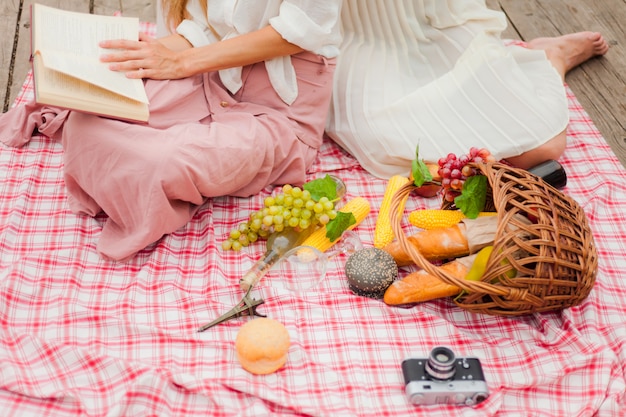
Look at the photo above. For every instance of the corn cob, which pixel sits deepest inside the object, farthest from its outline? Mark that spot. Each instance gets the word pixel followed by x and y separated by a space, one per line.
pixel 435 218
pixel 358 206
pixel 383 234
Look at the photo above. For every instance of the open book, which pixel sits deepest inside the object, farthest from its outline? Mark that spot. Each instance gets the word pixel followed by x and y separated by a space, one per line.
pixel 67 71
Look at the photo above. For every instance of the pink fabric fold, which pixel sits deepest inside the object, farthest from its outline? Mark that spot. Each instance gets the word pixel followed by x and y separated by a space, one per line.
pixel 18 125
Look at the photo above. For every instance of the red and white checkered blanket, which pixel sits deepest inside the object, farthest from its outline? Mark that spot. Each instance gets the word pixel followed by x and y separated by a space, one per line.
pixel 83 337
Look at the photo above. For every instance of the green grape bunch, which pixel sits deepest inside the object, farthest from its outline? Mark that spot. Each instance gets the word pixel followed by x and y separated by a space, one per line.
pixel 299 208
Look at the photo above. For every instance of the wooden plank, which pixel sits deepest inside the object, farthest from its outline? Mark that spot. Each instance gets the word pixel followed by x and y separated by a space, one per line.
pixel 599 84
pixel 22 56
pixel 510 32
pixel 145 10
pixel 9 12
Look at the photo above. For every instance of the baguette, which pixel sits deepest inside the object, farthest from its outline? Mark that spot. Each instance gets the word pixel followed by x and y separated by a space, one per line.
pixel 421 286
pixel 434 245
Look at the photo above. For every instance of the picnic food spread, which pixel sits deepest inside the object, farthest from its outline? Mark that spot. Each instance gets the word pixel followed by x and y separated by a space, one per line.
pixel 452 247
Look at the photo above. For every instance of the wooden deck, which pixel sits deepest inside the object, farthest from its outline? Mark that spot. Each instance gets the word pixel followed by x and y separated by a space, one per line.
pixel 599 84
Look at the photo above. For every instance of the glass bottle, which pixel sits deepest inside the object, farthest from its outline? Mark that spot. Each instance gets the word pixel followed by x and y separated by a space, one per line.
pixel 303 267
pixel 552 172
pixel 278 243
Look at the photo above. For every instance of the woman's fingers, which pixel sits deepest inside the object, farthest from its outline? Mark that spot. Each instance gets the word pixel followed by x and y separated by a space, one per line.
pixel 146 58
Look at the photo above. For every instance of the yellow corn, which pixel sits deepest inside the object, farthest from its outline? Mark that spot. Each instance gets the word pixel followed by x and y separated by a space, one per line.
pixel 383 234
pixel 358 206
pixel 435 218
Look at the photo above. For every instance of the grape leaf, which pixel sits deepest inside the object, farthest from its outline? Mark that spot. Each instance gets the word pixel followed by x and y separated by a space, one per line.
pixel 420 171
pixel 338 225
pixel 473 196
pixel 322 187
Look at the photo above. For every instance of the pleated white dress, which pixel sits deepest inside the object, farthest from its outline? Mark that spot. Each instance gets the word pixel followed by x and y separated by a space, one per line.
pixel 437 73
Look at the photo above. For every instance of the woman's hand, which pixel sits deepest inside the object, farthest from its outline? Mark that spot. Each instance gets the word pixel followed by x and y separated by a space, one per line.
pixel 146 58
pixel 174 57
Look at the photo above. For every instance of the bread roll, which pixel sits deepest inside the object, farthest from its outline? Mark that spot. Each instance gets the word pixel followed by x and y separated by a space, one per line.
pixel 370 271
pixel 262 345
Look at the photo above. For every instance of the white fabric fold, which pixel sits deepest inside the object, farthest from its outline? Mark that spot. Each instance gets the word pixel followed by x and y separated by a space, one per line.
pixel 437 74
pixel 193 33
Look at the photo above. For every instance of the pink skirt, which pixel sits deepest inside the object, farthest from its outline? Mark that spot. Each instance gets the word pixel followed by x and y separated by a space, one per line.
pixel 200 142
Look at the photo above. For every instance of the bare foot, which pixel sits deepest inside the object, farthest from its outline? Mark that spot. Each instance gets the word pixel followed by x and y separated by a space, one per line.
pixel 568 51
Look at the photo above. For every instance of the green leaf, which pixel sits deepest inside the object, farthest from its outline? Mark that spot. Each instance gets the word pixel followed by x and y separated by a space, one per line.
pixel 473 196
pixel 338 225
pixel 420 171
pixel 322 187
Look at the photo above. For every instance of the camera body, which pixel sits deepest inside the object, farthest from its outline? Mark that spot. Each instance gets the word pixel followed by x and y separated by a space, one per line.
pixel 444 379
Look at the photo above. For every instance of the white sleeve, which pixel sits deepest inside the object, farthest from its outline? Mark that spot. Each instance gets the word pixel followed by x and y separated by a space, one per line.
pixel 196 29
pixel 310 24
pixel 193 32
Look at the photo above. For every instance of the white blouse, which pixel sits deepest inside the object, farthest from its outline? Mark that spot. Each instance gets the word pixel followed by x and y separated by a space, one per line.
pixel 311 24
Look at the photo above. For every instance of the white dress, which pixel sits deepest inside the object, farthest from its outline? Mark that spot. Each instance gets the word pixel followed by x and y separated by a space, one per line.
pixel 437 73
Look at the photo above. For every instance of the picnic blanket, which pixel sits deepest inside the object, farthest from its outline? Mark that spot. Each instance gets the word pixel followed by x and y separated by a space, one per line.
pixel 81 336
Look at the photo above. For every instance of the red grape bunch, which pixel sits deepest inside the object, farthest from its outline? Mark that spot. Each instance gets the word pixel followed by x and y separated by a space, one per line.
pixel 455 170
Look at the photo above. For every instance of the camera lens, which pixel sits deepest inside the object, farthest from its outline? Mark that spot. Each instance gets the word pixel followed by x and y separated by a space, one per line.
pixel 480 397
pixel 440 364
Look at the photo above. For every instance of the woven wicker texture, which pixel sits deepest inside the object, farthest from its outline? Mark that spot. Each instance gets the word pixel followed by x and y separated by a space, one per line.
pixel 553 253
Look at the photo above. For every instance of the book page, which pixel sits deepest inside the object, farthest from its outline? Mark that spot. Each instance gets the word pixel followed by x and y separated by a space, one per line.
pixel 68 43
pixel 84 68
pixel 58 89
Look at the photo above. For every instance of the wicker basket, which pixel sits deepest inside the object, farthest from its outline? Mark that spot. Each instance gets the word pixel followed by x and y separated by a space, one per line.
pixel 560 261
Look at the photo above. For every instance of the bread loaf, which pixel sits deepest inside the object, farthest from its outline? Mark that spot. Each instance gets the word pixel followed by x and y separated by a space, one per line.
pixel 434 244
pixel 421 286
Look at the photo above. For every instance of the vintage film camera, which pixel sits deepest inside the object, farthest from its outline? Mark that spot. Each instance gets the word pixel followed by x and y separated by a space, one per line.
pixel 444 379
